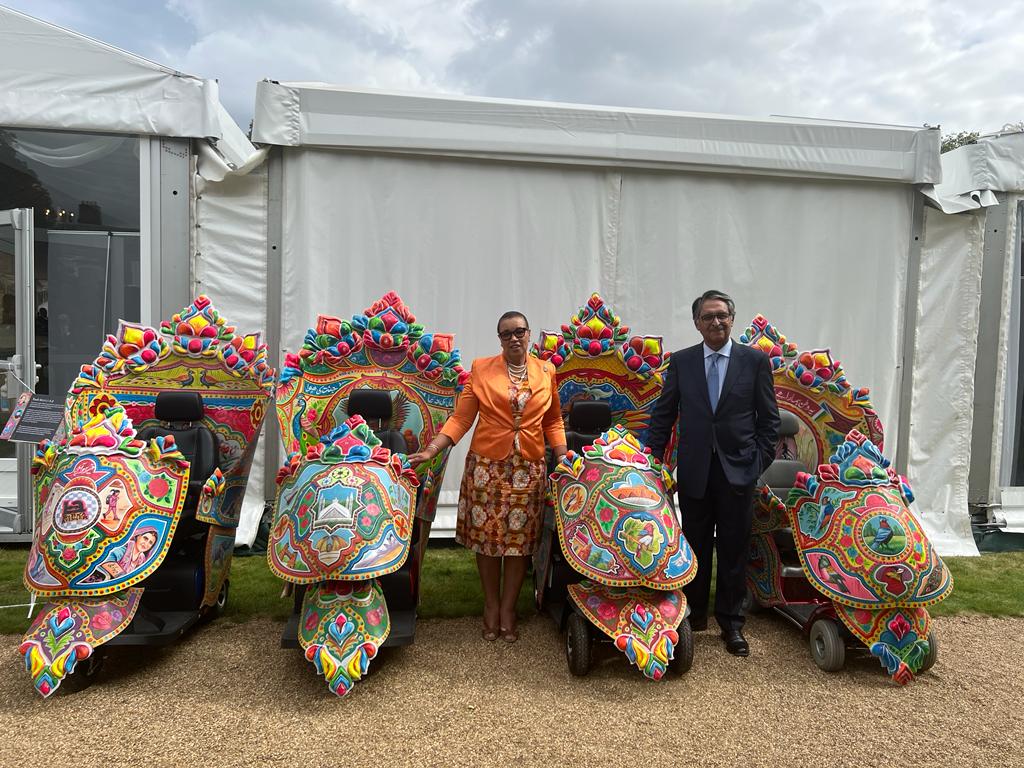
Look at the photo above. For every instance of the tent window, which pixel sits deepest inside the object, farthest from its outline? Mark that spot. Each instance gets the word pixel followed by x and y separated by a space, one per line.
pixel 84 189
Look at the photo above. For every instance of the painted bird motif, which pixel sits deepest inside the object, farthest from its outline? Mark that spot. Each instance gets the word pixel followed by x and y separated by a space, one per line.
pixel 831 575
pixel 884 534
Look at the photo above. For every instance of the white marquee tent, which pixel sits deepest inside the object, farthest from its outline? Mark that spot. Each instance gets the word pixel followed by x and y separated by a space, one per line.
pixel 468 207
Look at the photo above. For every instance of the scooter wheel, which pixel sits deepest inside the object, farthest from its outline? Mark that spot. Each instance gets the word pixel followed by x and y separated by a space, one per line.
pixel 682 659
pixel 933 653
pixel 578 647
pixel 84 675
pixel 216 610
pixel 827 647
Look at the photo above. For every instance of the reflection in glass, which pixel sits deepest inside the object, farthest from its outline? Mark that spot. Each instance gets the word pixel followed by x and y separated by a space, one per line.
pixel 7 331
pixel 84 189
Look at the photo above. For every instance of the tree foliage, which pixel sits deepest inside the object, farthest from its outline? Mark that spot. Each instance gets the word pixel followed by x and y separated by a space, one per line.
pixel 954 140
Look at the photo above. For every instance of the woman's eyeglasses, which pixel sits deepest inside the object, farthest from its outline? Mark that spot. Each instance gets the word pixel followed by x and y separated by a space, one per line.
pixel 519 333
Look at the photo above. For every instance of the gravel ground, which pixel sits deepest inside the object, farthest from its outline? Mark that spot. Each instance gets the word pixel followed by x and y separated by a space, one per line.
pixel 229 696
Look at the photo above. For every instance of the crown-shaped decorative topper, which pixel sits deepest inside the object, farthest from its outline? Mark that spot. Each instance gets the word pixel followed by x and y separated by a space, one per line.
pixel 350 442
pixel 616 446
pixel 815 370
pixel 197 331
pixel 856 463
pixel 109 431
pixel 766 337
pixel 387 324
pixel 595 331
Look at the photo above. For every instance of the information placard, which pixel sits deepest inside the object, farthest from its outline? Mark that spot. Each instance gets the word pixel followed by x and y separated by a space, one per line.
pixel 35 418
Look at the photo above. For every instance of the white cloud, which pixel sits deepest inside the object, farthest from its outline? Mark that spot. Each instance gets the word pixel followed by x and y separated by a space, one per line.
pixel 902 62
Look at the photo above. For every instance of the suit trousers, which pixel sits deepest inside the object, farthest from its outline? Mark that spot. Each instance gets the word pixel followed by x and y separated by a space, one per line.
pixel 720 520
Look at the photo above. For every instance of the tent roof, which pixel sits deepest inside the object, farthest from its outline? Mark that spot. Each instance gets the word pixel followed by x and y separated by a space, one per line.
pixel 972 174
pixel 315 114
pixel 53 78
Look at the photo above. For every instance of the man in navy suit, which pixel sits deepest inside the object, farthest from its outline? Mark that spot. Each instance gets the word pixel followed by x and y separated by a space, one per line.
pixel 724 398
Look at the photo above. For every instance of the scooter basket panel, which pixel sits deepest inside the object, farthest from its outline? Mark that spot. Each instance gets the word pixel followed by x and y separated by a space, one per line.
pixel 858 542
pixel 641 622
pixel 108 505
pixel 67 632
pixel 897 636
pixel 385 349
pixel 195 351
pixel 342 626
pixel 595 358
pixel 616 522
pixel 344 511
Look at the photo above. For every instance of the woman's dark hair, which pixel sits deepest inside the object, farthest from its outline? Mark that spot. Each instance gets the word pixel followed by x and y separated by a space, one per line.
pixel 509 315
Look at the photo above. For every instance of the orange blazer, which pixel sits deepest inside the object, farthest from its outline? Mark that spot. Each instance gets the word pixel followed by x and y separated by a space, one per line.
pixel 486 394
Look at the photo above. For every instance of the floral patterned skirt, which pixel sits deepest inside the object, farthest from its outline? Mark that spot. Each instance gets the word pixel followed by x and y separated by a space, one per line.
pixel 501 505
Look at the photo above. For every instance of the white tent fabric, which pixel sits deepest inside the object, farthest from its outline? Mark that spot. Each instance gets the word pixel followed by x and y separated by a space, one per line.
pixel 943 376
pixel 232 153
pixel 972 173
pixel 230 266
pixel 314 114
pixel 56 79
pixel 461 242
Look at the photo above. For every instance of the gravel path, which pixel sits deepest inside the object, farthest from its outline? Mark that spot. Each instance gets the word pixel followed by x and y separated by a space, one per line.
pixel 228 695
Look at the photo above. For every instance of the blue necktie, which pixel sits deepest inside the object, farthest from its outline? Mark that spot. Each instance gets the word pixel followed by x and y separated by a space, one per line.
pixel 713 381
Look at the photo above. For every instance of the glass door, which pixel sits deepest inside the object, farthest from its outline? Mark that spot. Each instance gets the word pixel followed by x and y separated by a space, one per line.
pixel 17 365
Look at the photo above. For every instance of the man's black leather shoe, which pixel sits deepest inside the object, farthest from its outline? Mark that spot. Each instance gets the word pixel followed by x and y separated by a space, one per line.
pixel 698 624
pixel 735 643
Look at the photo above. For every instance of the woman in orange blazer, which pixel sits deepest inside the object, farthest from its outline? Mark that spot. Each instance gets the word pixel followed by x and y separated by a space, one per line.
pixel 501 502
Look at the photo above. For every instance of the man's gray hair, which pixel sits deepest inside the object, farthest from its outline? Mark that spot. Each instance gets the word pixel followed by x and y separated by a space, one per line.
pixel 698 303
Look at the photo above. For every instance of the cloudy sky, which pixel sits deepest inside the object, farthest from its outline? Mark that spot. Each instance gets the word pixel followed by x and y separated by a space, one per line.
pixel 955 64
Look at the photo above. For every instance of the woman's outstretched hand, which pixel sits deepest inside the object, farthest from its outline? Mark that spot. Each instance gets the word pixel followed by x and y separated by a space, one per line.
pixel 415 459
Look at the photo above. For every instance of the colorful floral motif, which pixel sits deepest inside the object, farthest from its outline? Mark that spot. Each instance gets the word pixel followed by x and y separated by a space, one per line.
pixel 66 632
pixel 342 626
pixel 623 531
pixel 595 358
pixel 385 349
pixel 345 511
pixel 642 622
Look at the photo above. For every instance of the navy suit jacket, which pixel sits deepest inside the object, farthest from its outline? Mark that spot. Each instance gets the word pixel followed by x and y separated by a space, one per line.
pixel 743 430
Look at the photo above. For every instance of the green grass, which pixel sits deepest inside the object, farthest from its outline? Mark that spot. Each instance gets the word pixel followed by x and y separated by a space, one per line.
pixel 450 588
pixel 991 585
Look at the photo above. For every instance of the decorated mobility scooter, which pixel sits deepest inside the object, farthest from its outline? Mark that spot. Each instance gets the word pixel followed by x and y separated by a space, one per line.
pixel 611 553
pixel 137 505
pixel 838 552
pixel 348 511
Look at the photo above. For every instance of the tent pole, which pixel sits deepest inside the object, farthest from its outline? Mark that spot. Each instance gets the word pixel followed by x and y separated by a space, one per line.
pixel 275 221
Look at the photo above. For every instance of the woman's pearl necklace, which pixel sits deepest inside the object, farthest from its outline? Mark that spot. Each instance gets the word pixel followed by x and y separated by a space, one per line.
pixel 516 373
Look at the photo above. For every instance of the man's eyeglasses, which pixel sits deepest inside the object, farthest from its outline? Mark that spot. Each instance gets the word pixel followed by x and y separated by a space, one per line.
pixel 519 333
pixel 720 317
